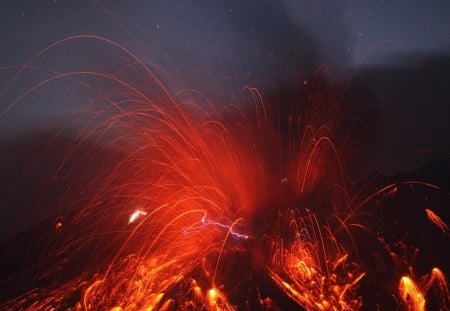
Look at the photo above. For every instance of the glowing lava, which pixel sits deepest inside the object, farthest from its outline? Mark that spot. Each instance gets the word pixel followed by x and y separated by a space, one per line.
pixel 212 183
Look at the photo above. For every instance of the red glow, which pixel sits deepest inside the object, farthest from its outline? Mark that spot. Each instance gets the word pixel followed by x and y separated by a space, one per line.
pixel 198 184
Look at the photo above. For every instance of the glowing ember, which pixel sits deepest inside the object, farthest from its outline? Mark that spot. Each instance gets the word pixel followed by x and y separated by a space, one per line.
pixel 435 219
pixel 136 215
pixel 411 295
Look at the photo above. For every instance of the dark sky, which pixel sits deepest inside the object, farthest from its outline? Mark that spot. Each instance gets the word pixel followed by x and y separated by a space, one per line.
pixel 272 42
pixel 417 25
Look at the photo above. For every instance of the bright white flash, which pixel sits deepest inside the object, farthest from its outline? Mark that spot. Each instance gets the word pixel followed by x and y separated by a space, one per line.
pixel 136 215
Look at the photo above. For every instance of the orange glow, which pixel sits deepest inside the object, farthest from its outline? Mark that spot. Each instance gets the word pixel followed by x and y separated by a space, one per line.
pixel 316 280
pixel 217 301
pixel 411 294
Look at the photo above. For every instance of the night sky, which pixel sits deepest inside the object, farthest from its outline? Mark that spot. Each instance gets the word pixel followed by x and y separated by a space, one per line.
pixel 416 25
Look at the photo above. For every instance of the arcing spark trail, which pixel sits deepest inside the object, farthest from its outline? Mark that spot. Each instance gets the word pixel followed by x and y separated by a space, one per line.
pixel 195 189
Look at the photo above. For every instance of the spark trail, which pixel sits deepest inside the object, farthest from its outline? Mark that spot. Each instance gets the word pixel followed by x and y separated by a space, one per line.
pixel 209 192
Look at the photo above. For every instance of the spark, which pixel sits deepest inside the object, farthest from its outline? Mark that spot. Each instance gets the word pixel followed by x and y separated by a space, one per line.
pixel 58 226
pixel 435 219
pixel 411 294
pixel 136 215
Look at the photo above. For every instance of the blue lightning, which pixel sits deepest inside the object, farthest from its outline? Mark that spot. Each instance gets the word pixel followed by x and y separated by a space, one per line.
pixel 206 223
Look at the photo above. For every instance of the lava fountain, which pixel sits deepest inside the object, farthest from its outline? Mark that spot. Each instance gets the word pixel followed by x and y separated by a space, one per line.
pixel 206 206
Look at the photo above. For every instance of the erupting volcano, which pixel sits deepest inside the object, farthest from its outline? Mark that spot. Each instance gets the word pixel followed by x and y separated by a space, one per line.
pixel 164 199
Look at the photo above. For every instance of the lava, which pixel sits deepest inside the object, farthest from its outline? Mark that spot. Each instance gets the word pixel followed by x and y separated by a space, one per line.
pixel 210 193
